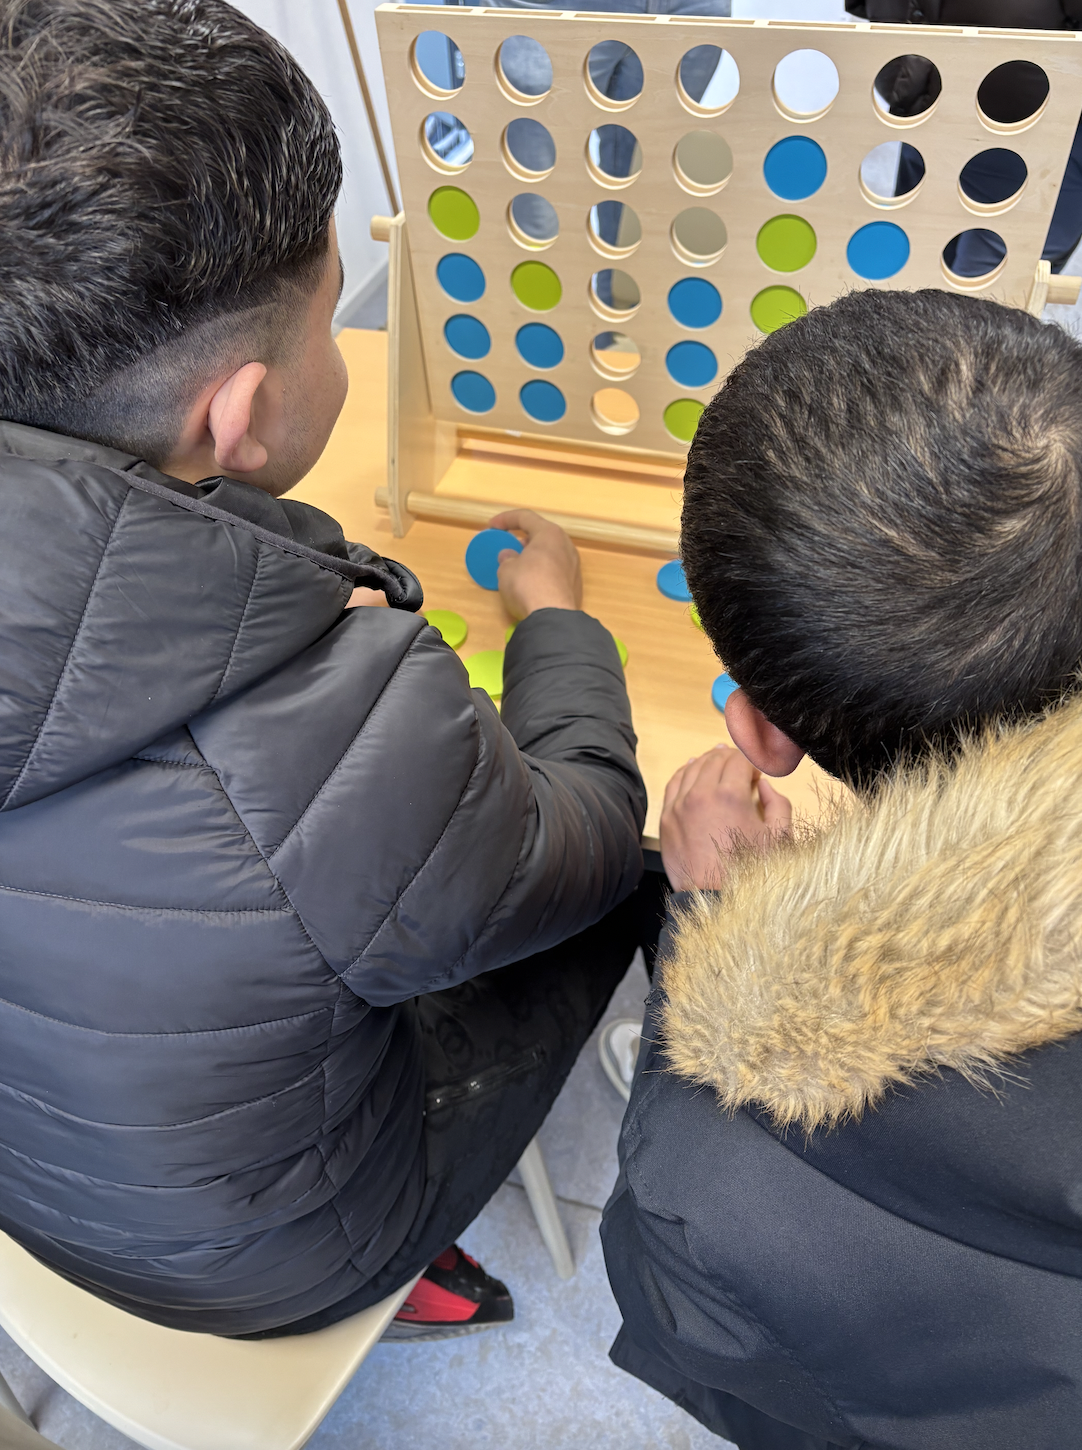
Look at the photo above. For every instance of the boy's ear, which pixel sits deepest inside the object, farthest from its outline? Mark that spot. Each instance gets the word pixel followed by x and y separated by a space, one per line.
pixel 229 421
pixel 757 740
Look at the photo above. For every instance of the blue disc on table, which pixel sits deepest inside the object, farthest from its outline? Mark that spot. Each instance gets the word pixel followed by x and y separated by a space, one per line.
pixel 691 364
pixel 671 582
pixel 483 555
pixel 721 689
pixel 539 346
pixel 468 336
pixel 877 251
pixel 795 168
pixel 474 392
pixel 460 277
pixel 695 302
pixel 543 401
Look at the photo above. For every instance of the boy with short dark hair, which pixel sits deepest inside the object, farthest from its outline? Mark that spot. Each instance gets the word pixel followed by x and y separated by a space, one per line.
pixel 866 1230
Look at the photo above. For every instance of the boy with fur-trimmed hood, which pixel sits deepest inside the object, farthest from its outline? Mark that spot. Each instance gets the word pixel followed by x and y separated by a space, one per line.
pixel 849 1212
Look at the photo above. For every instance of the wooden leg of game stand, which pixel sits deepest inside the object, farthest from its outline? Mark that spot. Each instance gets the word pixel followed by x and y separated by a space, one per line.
pixel 419 448
pixel 1060 291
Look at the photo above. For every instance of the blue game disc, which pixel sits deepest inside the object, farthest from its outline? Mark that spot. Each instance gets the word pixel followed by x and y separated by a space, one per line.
pixel 671 582
pixel 721 689
pixel 695 302
pixel 795 168
pixel 540 346
pixel 878 251
pixel 474 392
pixel 483 555
pixel 460 277
pixel 691 364
pixel 467 336
pixel 542 401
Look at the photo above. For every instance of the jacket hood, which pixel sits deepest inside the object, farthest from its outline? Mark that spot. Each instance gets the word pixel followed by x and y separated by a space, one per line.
pixel 936 925
pixel 130 602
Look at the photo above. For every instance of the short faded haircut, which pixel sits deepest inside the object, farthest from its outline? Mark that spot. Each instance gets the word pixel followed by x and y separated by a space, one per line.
pixel 882 524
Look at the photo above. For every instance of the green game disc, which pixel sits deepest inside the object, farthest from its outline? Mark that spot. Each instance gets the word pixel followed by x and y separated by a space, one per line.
pixel 775 306
pixel 454 213
pixel 485 670
pixel 536 286
pixel 451 625
pixel 696 621
pixel 786 243
pixel 682 417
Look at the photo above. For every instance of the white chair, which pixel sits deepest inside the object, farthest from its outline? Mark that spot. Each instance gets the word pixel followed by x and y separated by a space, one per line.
pixel 170 1390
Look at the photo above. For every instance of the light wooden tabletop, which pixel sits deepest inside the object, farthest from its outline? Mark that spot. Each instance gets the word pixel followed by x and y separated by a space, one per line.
pixel 671 665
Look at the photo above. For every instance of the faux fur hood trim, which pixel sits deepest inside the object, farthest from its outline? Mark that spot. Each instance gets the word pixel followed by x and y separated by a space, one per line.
pixel 938 925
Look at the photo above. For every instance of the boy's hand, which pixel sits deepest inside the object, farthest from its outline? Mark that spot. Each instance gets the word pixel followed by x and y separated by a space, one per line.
pixel 546 575
pixel 713 804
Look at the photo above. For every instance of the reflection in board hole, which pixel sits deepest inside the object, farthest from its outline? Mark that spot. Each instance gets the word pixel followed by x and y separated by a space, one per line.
pixel 795 168
pixel 536 286
pixel 877 251
pixel 614 293
pixel 786 243
pixel 615 355
pixel 453 212
pixel 613 155
pixel 691 364
pixel 460 277
pixel 694 302
pixel 707 80
pixel 539 346
pixel 891 173
pixel 542 401
pixel 473 392
pixel 533 220
pixel 523 68
pixel 773 307
pixel 614 411
pixel 446 143
pixel 437 63
pixel 699 236
pixel 614 228
pixel 528 148
pixel 703 162
pixel 467 336
pixel 681 418
pixel 907 88
pixel 613 74
pixel 993 177
pixel 805 84
pixel 1012 93
pixel 975 257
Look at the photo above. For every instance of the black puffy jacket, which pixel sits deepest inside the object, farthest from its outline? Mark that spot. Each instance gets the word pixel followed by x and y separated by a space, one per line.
pixel 240 829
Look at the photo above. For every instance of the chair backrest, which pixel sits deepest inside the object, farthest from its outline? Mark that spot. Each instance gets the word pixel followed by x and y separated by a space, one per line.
pixel 170 1390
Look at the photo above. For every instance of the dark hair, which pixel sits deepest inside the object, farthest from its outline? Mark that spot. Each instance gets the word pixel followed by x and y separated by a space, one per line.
pixel 882 525
pixel 167 179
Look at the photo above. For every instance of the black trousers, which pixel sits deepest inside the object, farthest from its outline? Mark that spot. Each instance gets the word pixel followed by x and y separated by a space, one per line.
pixel 498 1050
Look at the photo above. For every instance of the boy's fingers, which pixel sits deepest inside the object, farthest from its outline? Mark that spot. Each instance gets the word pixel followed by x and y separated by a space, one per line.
pixel 673 787
pixel 777 808
pixel 520 521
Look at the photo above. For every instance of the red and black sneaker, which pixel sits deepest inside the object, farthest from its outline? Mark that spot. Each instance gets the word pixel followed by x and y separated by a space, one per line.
pixel 453 1296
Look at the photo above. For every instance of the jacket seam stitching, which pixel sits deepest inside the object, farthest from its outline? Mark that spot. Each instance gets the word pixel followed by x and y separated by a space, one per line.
pixel 156 1036
pixel 133 906
pixel 240 628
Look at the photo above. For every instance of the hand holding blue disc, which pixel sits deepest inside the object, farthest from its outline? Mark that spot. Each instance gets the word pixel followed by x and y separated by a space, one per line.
pixel 483 555
pixel 671 582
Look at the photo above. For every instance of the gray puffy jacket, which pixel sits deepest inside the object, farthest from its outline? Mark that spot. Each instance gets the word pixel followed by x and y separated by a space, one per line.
pixel 239 829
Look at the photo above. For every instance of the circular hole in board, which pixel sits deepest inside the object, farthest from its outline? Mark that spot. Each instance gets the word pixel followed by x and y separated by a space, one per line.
pixel 805 85
pixel 453 212
pixel 1013 96
pixel 614 295
pixel 773 307
pixel 698 236
pixel 460 277
pixel 536 286
pixel 906 90
pixel 613 75
pixel 786 243
pixel 703 162
pixel 615 355
pixel 542 401
pixel 992 181
pixel 532 221
pixel 974 259
pixel 614 411
pixel 878 251
pixel 467 336
pixel 613 155
pixel 681 418
pixel 891 174
pixel 473 392
pixel 523 70
pixel 707 80
pixel 527 148
pixel 694 302
pixel 445 143
pixel 614 228
pixel 691 364
pixel 795 168
pixel 539 346
pixel 436 64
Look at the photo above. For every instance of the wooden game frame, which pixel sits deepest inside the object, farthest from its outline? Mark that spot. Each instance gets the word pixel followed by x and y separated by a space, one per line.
pixel 427 430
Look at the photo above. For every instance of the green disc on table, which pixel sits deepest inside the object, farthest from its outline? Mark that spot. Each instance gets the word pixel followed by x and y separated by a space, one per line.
pixel 454 213
pixel 509 632
pixel 451 625
pixel 696 621
pixel 485 670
